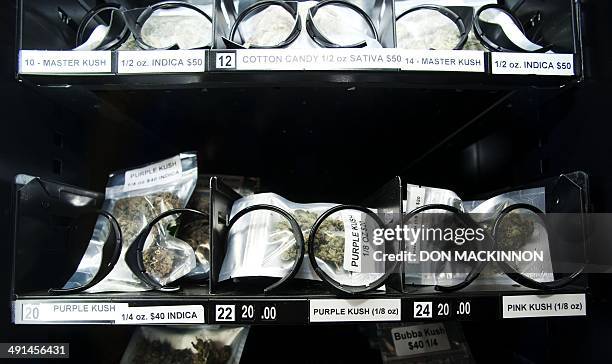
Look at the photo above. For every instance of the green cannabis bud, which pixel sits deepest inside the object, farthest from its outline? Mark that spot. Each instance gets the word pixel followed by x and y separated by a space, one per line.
pixel 206 352
pixel 329 241
pixel 158 261
pixel 133 213
pixel 514 231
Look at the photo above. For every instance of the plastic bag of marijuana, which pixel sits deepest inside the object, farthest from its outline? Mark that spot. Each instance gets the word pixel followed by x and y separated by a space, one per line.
pixel 261 243
pixel 429 343
pixel 417 272
pixel 195 230
pixel 520 230
pixel 186 344
pixel 135 197
pixel 274 24
pixel 178 26
pixel 430 29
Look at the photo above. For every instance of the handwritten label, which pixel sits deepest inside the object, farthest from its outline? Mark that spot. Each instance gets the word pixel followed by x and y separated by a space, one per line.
pixel 420 339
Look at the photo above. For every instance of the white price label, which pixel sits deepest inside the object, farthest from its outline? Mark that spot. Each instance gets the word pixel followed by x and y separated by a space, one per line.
pixel 420 339
pixel 27 312
pixel 315 59
pixel 67 312
pixel 422 310
pixel 225 60
pixel 65 62
pixel 161 61
pixel 336 310
pixel 544 306
pixel 225 313
pixel 445 61
pixel 542 64
pixel 154 174
pixel 153 315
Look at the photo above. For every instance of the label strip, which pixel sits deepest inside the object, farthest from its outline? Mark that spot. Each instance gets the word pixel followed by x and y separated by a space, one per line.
pixel 442 61
pixel 544 306
pixel 64 62
pixel 540 64
pixel 161 61
pixel 308 59
pixel 357 310
pixel 33 312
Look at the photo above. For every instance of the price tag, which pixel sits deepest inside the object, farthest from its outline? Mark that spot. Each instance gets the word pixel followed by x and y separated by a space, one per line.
pixel 315 59
pixel 225 313
pixel 542 64
pixel 64 62
pixel 443 61
pixel 170 61
pixel 153 315
pixel 67 312
pixel 420 339
pixel 544 306
pixel 105 313
pixel 336 310
pixel 423 309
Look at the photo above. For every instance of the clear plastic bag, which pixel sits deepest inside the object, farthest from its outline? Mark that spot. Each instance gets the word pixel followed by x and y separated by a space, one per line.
pixel 180 26
pixel 417 196
pixel 135 197
pixel 274 24
pixel 261 243
pixel 526 235
pixel 429 29
pixel 186 344
pixel 174 26
pixel 195 230
pixel 519 231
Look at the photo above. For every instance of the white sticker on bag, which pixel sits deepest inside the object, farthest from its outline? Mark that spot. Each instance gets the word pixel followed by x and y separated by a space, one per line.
pixel 353 244
pixel 420 339
pixel 416 198
pixel 154 174
pixel 359 245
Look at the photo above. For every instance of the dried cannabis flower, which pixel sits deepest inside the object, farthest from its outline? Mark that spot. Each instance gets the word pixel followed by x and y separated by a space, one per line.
pixel 514 230
pixel 207 352
pixel 329 239
pixel 196 234
pixel 158 261
pixel 133 213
